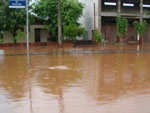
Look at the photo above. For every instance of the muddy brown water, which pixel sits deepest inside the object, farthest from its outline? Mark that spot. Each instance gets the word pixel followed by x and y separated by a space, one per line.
pixel 76 83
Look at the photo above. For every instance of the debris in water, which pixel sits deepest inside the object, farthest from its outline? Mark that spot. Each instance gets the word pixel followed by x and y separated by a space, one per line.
pixel 59 67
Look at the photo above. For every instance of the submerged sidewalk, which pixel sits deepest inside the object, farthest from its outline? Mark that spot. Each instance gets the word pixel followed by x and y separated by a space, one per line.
pixel 43 50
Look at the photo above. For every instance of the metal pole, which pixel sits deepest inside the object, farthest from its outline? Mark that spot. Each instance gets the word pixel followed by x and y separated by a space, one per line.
pixel 59 24
pixel 94 18
pixel 27 32
pixel 99 16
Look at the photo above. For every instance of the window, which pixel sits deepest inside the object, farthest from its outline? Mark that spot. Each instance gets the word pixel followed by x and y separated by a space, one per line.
pixel 110 3
pixel 128 4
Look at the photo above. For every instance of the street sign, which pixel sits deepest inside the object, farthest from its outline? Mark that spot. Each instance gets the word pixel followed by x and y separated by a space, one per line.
pixel 17 3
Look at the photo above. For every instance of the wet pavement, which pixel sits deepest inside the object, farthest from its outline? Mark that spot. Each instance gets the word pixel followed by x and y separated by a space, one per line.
pixel 43 50
pixel 75 83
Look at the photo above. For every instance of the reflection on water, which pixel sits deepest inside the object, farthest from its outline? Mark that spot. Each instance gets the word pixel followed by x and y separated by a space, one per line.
pixel 1 57
pixel 93 83
pixel 115 76
pixel 2 52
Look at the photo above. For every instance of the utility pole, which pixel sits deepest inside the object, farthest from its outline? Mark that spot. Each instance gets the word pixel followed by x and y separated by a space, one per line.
pixel 99 16
pixel 59 24
pixel 94 18
pixel 27 33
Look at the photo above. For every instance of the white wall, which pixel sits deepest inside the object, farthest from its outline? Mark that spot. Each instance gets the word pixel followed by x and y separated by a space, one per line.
pixel 44 35
pixel 87 20
pixel 7 37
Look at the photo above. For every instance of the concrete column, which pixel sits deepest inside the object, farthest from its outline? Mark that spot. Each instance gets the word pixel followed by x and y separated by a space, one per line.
pixel 99 16
pixel 119 7
pixel 141 10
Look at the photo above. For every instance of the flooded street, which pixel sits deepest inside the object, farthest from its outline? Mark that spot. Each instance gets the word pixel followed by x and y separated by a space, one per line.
pixel 75 83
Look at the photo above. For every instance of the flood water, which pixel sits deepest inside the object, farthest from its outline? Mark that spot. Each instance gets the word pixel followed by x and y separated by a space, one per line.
pixel 76 83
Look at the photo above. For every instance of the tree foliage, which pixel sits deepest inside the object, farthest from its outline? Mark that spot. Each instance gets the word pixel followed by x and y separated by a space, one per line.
pixel 47 11
pixel 140 27
pixel 72 31
pixel 1 15
pixel 19 35
pixel 1 37
pixel 122 25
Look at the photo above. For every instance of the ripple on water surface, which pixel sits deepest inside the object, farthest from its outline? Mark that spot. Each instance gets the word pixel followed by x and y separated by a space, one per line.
pixel 91 83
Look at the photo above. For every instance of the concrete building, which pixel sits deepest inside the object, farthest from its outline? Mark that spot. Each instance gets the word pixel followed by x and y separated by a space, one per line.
pixel 106 12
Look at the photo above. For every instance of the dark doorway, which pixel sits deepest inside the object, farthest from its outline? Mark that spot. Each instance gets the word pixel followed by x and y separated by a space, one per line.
pixel 37 35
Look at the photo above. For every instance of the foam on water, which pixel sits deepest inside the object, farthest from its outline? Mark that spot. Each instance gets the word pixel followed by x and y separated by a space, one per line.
pixel 58 68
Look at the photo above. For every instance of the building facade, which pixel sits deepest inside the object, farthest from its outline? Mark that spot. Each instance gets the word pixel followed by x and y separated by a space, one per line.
pixel 104 14
pixel 37 33
pixel 100 14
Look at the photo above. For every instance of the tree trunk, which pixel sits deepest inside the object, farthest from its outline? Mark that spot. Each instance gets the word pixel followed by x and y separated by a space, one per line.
pixel 14 38
pixel 118 39
pixel 141 40
pixel 75 43
pixel 121 41
pixel 50 36
pixel 59 24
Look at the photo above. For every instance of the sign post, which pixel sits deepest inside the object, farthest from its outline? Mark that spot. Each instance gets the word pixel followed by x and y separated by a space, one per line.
pixel 27 33
pixel 23 4
pixel 17 3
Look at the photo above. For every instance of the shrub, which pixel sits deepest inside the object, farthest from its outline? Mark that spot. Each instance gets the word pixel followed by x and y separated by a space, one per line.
pixel 97 36
pixel 122 25
pixel 19 35
pixel 72 31
pixel 140 27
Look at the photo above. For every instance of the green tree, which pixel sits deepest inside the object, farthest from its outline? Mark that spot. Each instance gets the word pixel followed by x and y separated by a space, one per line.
pixel 12 19
pixel 47 11
pixel 72 31
pixel 122 25
pixel 140 29
pixel 97 36
pixel 19 35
